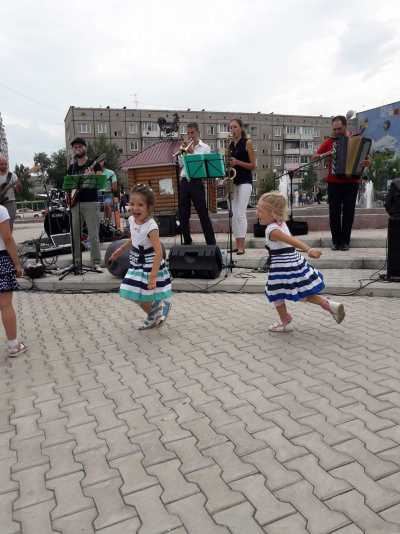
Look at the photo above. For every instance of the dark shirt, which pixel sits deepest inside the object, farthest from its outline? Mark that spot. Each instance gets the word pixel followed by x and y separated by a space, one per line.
pixel 84 195
pixel 239 151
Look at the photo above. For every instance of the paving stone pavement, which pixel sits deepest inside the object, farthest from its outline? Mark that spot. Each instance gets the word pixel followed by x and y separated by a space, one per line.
pixel 208 425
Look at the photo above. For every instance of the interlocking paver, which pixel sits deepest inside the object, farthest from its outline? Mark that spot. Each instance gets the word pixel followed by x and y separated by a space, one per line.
pixel 212 427
pixel 171 479
pixel 32 488
pixel 194 516
pixel 154 516
pixel 109 503
pixel 376 496
pixel 35 519
pixel 218 493
pixel 189 455
pixel 352 504
pixel 373 465
pixel 268 508
pixel 81 522
pixel 69 496
pixel 320 520
pixel 8 525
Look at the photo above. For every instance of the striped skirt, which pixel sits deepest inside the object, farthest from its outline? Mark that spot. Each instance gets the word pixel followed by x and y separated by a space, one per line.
pixel 135 284
pixel 8 280
pixel 291 277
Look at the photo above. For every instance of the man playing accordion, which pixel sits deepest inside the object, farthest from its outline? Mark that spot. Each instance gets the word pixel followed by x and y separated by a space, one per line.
pixel 342 190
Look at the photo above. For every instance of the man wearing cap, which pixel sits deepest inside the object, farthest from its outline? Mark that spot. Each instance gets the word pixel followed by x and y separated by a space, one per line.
pixel 86 209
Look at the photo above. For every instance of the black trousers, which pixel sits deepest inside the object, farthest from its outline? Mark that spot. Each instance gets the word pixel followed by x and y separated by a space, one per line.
pixel 194 191
pixel 342 203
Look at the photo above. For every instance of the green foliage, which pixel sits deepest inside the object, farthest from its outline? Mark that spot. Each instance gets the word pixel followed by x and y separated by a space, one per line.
pixel 102 144
pixel 384 167
pixel 58 167
pixel 42 160
pixel 265 183
pixel 24 175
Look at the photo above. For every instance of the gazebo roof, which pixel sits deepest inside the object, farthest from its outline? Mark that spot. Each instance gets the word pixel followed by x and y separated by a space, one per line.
pixel 155 155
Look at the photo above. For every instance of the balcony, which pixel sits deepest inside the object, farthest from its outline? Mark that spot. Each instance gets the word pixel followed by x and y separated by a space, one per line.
pixel 292 151
pixel 306 151
pixel 222 135
pixel 291 166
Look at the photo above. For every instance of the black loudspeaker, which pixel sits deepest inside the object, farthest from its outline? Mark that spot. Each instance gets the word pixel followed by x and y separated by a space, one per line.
pixel 393 250
pixel 259 229
pixel 195 261
pixel 297 227
pixel 120 267
pixel 167 225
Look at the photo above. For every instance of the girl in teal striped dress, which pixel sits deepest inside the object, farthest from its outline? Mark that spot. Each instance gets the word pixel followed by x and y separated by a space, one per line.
pixel 147 281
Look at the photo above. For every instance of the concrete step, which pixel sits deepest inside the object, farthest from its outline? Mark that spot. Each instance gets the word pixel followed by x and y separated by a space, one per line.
pixel 338 282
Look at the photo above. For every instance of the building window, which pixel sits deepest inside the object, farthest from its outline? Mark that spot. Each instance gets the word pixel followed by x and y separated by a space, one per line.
pixel 255 147
pixel 83 127
pixel 307 130
pixel 182 129
pixel 253 131
pixel 118 133
pixel 291 158
pixel 317 132
pixel 150 126
pixel 134 146
pixel 276 161
pixel 132 128
pixel 277 145
pixel 277 131
pixel 306 144
pixel 304 159
pixel 223 127
pixel 291 129
pixel 212 146
pixel 211 130
pixel 101 128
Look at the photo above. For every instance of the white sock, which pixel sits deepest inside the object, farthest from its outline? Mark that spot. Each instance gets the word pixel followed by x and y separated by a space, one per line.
pixel 12 343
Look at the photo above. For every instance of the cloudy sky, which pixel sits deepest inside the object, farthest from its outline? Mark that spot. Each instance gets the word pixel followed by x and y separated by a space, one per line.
pixel 287 56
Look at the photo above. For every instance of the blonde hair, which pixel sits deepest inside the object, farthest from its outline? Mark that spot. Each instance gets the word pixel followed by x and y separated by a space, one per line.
pixel 277 204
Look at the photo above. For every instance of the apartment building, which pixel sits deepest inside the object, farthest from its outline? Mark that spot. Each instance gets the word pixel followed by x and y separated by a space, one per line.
pixel 3 139
pixel 281 142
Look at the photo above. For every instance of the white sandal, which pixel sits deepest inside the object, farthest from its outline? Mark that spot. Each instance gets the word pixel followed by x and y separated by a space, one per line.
pixel 19 349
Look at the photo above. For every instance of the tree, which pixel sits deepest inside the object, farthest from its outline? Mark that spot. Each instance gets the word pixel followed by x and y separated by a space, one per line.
pixel 102 145
pixel 58 168
pixel 384 166
pixel 42 160
pixel 24 175
pixel 265 183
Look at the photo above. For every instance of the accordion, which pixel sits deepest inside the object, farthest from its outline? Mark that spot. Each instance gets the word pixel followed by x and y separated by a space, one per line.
pixel 348 155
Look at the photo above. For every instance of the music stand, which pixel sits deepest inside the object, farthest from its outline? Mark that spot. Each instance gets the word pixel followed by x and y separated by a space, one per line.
pixel 78 182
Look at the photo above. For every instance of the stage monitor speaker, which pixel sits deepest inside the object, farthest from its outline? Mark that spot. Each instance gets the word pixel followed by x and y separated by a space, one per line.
pixel 167 225
pixel 195 261
pixel 259 229
pixel 393 250
pixel 120 267
pixel 297 227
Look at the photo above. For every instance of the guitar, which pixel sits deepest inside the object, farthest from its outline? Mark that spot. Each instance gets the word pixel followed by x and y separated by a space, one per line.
pixel 74 192
pixel 4 188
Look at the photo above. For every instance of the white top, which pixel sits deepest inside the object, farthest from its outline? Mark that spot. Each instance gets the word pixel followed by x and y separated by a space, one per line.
pixel 10 195
pixel 275 245
pixel 200 148
pixel 140 232
pixel 4 216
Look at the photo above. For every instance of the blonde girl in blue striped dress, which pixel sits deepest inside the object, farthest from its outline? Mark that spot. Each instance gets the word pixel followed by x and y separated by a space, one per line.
pixel 147 281
pixel 290 276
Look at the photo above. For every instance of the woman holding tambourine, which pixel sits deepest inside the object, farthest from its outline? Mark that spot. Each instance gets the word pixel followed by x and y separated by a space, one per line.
pixel 244 161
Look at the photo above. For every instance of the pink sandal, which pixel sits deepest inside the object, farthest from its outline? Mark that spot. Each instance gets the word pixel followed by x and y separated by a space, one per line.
pixel 19 349
pixel 284 326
